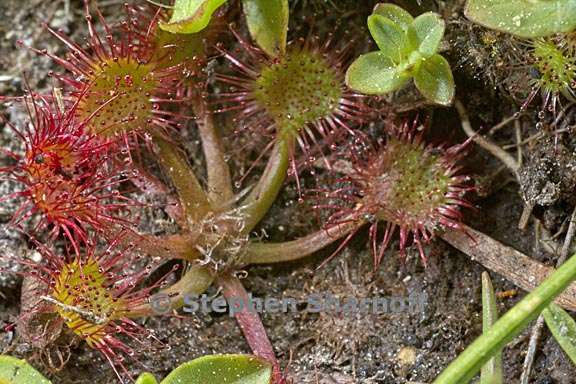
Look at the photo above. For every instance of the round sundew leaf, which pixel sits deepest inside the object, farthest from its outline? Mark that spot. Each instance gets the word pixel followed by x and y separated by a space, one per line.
pixel 300 87
pixel 389 36
pixel 524 18
pixel 16 371
pixel 426 33
pixel 563 328
pixel 435 81
pixel 268 24
pixel 146 378
pixel 395 13
pixel 191 16
pixel 225 369
pixel 374 73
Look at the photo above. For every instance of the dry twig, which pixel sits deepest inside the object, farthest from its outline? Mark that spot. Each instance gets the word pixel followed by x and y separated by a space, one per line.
pixel 521 270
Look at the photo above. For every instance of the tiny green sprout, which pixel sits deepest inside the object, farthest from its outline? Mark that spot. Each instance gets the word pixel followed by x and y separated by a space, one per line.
pixel 524 18
pixel 407 49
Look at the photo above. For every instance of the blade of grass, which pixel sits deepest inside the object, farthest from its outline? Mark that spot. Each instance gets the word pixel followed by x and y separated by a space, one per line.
pixel 491 371
pixel 469 362
pixel 563 328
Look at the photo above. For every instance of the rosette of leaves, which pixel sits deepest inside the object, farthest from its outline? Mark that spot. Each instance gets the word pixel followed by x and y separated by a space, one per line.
pixel 408 49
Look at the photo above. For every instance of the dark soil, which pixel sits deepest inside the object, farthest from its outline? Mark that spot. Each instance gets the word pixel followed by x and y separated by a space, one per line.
pixel 331 348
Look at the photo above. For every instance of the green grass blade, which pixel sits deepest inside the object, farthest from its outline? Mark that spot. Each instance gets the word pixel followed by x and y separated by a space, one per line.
pixel 469 362
pixel 491 372
pixel 563 328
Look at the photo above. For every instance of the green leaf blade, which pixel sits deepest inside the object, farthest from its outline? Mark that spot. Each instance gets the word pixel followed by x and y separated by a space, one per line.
pixel 470 361
pixel 426 33
pixel 375 73
pixel 563 328
pixel 395 13
pixel 390 38
pixel 268 24
pixel 191 16
pixel 229 369
pixel 16 371
pixel 492 372
pixel 435 81
pixel 524 18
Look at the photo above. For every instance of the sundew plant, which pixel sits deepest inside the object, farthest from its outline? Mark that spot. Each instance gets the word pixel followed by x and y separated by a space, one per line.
pixel 212 114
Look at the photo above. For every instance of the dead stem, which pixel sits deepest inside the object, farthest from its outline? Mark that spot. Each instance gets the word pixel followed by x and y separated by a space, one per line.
pixel 518 134
pixel 513 265
pixel 496 151
pixel 84 314
pixel 528 140
pixel 531 353
pixel 568 239
pixel 503 123
pixel 526 213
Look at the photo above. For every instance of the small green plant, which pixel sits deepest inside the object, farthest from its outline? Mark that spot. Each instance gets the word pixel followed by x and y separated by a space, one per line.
pixel 524 18
pixel 407 50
